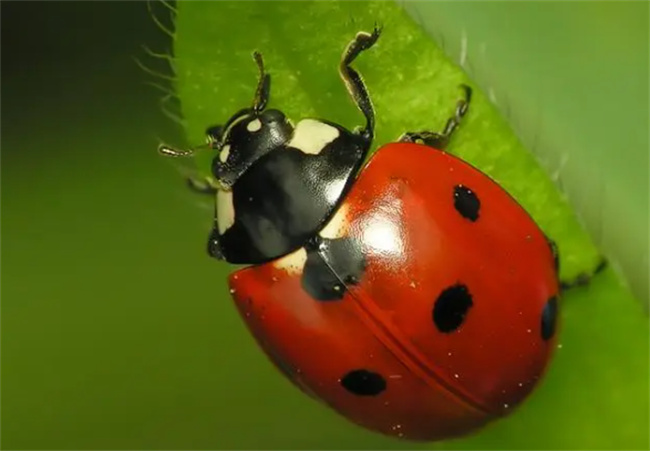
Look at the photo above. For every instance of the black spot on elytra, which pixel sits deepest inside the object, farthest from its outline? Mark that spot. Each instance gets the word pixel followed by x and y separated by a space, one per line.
pixel 451 307
pixel 466 202
pixel 363 383
pixel 332 265
pixel 549 318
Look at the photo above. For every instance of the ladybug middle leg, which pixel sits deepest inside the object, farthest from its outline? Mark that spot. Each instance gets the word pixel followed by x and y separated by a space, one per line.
pixel 439 140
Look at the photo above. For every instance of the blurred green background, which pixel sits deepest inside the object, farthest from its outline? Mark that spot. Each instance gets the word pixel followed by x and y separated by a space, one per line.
pixel 118 331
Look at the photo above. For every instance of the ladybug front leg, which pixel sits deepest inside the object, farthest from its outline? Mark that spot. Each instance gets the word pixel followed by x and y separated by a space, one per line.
pixel 214 247
pixel 202 185
pixel 439 140
pixel 207 185
pixel 353 81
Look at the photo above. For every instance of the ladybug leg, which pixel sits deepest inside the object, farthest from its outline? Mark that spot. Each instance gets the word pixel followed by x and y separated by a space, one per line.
pixel 583 278
pixel 431 139
pixel 214 247
pixel 353 82
pixel 205 186
pixel 201 185
pixel 439 140
pixel 556 254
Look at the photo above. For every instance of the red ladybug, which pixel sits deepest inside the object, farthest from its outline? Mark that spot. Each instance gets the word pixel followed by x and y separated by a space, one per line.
pixel 414 295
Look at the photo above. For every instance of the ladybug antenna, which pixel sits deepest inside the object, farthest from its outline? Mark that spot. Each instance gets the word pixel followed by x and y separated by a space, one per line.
pixel 263 85
pixel 171 152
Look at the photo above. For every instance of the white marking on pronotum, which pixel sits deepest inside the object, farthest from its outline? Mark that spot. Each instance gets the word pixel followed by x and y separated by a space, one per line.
pixel 338 225
pixel 463 48
pixel 254 125
pixel 311 136
pixel 292 263
pixel 225 151
pixel 225 211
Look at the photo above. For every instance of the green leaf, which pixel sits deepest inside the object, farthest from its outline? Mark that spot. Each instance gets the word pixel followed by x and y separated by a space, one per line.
pixel 596 393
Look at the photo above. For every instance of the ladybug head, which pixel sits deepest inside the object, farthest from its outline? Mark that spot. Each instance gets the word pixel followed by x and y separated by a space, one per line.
pixel 248 135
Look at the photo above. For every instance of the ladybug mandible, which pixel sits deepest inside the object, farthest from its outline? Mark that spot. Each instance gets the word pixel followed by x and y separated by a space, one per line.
pixel 414 295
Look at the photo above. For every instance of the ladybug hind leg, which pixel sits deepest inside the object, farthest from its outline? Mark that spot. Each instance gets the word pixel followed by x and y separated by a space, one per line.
pixel 439 140
pixel 581 279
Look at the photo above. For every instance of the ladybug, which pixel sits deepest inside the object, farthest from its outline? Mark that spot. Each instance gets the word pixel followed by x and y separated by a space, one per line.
pixel 411 294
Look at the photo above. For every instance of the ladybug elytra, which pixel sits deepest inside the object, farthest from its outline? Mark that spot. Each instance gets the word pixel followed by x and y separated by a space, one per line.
pixel 413 295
